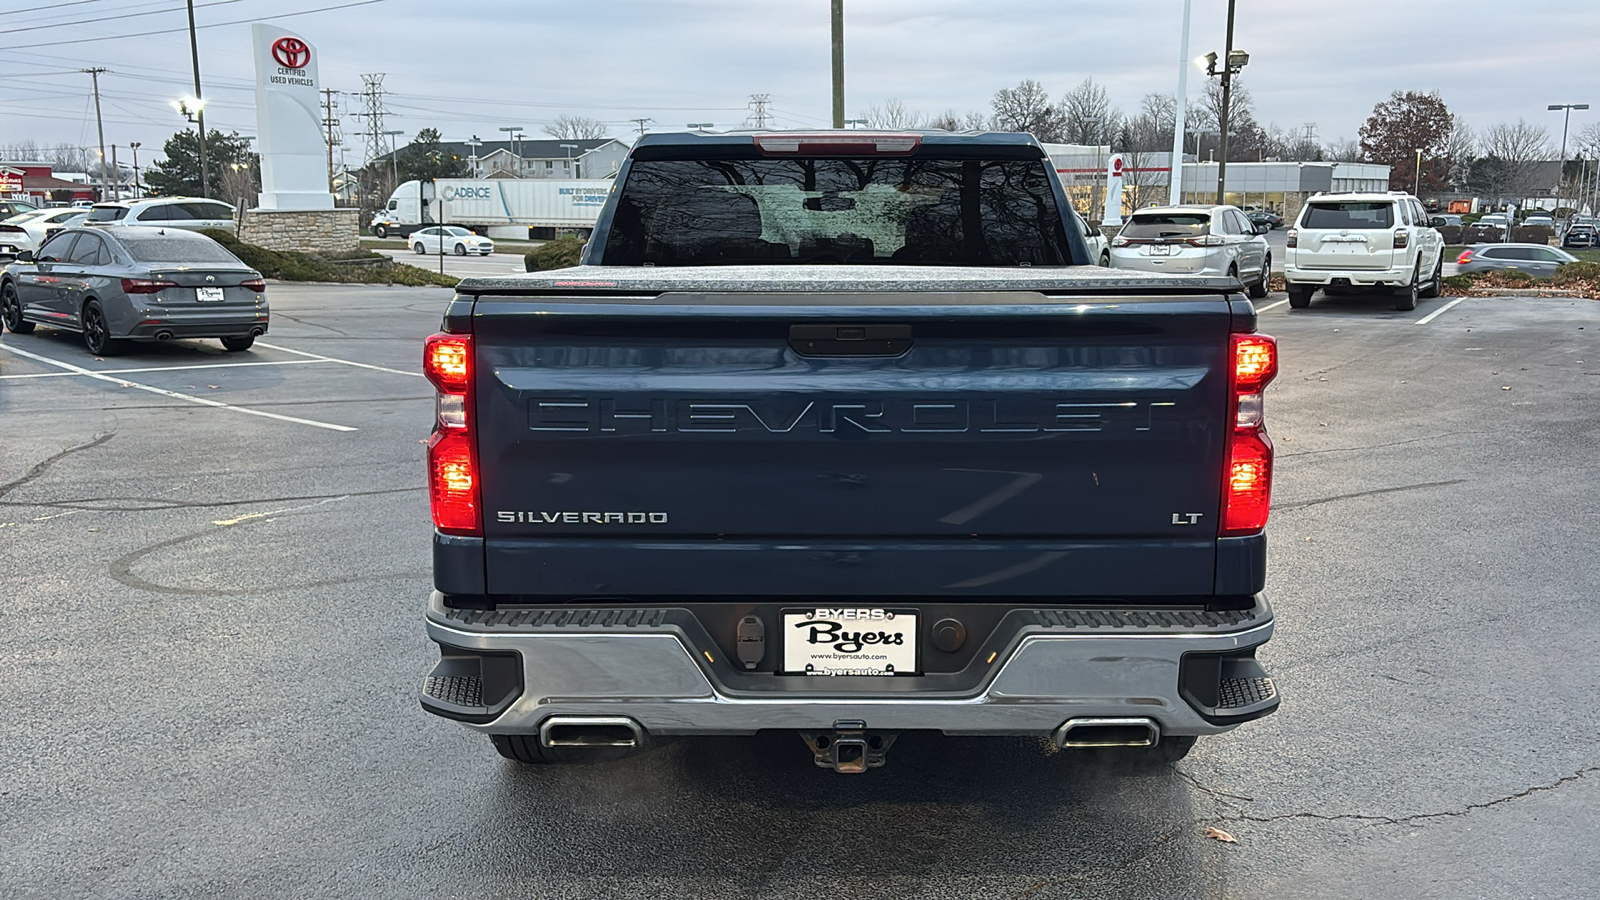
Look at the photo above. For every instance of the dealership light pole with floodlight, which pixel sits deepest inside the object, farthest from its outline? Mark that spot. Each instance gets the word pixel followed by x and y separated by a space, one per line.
pixel 1562 171
pixel 1232 62
pixel 515 134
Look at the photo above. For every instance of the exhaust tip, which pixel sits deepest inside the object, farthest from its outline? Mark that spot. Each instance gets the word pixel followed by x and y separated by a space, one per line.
pixel 163 335
pixel 590 731
pixel 257 332
pixel 1133 732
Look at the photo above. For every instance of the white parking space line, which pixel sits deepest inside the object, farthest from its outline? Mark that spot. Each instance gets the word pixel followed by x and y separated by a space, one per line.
pixel 121 382
pixel 334 359
pixel 237 365
pixel 1271 306
pixel 1439 312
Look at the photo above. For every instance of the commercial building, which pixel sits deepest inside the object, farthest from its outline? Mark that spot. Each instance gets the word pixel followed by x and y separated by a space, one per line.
pixel 551 158
pixel 1280 186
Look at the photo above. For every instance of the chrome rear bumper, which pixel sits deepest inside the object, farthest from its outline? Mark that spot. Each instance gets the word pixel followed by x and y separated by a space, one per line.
pixel 656 673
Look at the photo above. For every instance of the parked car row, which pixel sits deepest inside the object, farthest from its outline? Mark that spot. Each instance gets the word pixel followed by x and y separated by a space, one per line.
pixel 26 231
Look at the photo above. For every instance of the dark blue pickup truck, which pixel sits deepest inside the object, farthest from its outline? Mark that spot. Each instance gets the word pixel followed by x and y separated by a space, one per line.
pixel 839 433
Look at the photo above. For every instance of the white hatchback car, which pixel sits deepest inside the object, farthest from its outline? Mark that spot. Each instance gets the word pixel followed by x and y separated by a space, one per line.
pixel 1195 240
pixel 1370 241
pixel 450 239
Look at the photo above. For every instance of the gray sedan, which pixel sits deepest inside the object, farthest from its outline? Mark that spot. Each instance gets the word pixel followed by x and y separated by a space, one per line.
pixel 117 284
pixel 1535 259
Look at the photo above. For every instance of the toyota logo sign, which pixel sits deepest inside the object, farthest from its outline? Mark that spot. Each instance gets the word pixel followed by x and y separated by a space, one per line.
pixel 291 53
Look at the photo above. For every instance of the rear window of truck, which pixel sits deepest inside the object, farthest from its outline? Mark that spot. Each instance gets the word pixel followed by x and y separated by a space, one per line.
pixel 926 212
pixel 1378 214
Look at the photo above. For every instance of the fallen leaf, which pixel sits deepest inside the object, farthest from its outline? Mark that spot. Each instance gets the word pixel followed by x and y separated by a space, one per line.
pixel 1217 834
pixel 212 386
pixel 1505 387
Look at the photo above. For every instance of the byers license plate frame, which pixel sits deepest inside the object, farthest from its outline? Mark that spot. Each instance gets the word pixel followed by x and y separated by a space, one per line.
pixel 208 294
pixel 849 641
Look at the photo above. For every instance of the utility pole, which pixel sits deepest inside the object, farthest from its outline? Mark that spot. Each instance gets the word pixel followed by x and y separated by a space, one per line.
pixel 200 111
pixel 99 127
pixel 838 63
pixel 329 121
pixel 641 123
pixel 1561 171
pixel 1227 93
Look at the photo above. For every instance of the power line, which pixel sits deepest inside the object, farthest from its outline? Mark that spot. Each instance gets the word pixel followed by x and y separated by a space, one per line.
pixel 12 12
pixel 133 15
pixel 118 37
pixel 641 123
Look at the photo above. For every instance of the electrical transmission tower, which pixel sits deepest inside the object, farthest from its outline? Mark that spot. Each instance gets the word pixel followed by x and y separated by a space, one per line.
pixel 373 112
pixel 758 110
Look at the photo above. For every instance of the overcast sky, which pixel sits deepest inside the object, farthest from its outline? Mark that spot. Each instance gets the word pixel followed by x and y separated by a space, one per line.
pixel 470 68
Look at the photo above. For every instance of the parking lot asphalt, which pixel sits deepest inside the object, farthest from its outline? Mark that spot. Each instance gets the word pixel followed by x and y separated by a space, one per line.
pixel 215 643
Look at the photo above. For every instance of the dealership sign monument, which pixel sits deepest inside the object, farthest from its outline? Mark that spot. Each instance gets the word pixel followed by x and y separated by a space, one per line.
pixel 293 150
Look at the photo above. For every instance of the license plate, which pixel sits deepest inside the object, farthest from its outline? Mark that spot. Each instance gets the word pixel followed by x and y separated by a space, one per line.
pixel 208 295
pixel 850 641
pixel 1160 249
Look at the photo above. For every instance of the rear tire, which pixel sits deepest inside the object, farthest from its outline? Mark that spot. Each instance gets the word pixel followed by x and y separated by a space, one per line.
pixel 97 332
pixel 1300 297
pixel 235 344
pixel 1405 299
pixel 1105 260
pixel 1437 284
pixel 11 311
pixel 1258 291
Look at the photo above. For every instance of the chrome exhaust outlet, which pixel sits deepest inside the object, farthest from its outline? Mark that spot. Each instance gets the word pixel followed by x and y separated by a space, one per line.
pixel 1139 732
pixel 257 331
pixel 590 731
pixel 163 335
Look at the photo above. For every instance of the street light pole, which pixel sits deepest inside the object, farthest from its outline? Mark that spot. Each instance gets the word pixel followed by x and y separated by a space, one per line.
pixel 1227 92
pixel 200 110
pixel 1562 170
pixel 1416 183
pixel 838 63
pixel 134 146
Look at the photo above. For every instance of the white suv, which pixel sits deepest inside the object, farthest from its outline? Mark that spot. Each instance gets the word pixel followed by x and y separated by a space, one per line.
pixel 191 213
pixel 1375 241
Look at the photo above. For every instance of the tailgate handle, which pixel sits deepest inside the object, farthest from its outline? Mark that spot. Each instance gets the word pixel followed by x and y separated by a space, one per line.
pixel 850 340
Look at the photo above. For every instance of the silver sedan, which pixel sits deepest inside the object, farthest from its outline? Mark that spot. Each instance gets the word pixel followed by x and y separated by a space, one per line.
pixel 115 284
pixel 1537 260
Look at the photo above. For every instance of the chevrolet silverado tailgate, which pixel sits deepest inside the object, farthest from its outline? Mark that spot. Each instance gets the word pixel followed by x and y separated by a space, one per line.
pixel 985 442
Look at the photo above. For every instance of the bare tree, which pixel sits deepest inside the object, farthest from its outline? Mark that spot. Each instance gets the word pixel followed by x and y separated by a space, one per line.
pixel 576 128
pixel 894 114
pixel 977 120
pixel 67 158
pixel 1461 149
pixel 948 120
pixel 1027 107
pixel 1087 116
pixel 1509 156
pixel 23 151
pixel 1342 150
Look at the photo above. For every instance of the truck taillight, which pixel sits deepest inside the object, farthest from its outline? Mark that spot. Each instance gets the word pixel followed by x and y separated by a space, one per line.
pixel 1402 239
pixel 453 488
pixel 1247 481
pixel 1292 238
pixel 837 143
